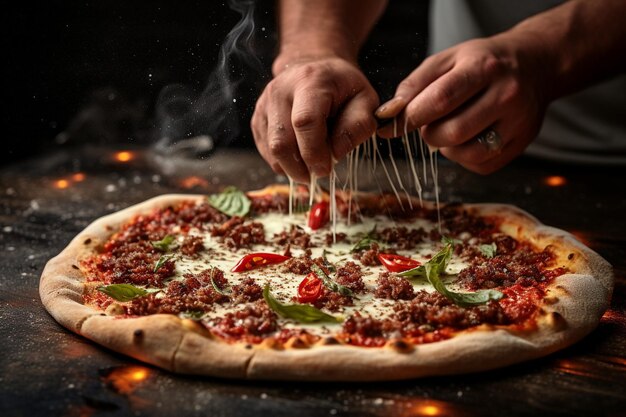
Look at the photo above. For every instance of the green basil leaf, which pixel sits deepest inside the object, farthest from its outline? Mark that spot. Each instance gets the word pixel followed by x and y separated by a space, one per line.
pixel 231 201
pixel 303 313
pixel 439 262
pixel 330 284
pixel 223 291
pixel 435 267
pixel 163 244
pixel 327 264
pixel 488 251
pixel 161 262
pixel 122 292
pixel 192 314
pixel 366 241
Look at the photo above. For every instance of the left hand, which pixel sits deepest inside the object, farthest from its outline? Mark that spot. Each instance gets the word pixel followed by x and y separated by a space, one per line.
pixel 493 83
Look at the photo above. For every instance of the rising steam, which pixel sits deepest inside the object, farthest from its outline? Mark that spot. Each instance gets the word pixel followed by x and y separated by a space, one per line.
pixel 194 124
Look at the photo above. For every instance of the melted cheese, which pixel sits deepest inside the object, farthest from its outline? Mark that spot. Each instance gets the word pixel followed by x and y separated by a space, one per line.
pixel 284 284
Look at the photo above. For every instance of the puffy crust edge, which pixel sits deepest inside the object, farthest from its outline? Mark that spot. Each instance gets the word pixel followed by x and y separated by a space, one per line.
pixel 577 302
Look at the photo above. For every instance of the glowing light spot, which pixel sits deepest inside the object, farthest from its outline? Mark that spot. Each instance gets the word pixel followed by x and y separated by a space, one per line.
pixel 78 177
pixel 555 181
pixel 139 375
pixel 126 379
pixel 61 184
pixel 193 182
pixel 124 156
pixel 428 410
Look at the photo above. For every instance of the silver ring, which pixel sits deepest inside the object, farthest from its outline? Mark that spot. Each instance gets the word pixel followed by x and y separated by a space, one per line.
pixel 490 139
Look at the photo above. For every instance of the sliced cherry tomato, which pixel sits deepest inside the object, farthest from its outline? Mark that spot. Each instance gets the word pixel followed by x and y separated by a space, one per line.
pixel 310 289
pixel 397 263
pixel 319 216
pixel 256 260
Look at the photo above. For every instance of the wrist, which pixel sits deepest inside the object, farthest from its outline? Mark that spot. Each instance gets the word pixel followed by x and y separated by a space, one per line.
pixel 289 57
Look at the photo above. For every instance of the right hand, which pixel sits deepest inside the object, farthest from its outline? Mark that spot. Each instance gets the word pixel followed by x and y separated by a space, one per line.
pixel 313 112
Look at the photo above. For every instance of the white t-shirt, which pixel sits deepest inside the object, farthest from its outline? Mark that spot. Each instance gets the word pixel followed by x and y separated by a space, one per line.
pixel 588 126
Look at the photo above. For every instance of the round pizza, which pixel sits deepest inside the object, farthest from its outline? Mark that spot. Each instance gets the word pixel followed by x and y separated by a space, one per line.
pixel 276 284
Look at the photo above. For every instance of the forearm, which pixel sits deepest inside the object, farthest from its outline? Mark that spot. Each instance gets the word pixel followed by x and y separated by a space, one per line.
pixel 310 29
pixel 581 42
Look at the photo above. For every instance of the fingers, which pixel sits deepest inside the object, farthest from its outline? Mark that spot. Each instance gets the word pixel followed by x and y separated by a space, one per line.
pixel 441 85
pixel 301 106
pixel 309 114
pixel 354 124
pixel 464 123
pixel 478 158
pixel 431 69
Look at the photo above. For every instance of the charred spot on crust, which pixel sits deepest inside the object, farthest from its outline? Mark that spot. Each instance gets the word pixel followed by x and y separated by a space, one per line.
pixel 329 341
pixel 75 267
pixel 401 346
pixel 138 334
pixel 297 343
pixel 570 256
pixel 557 321
pixel 87 241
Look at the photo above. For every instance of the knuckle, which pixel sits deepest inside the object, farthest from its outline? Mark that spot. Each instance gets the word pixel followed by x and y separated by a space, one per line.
pixel 278 148
pixel 440 99
pixel 510 92
pixel 407 85
pixel 491 66
pixel 454 133
pixel 305 120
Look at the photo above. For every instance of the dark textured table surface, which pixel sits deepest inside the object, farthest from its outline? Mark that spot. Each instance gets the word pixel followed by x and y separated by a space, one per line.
pixel 46 370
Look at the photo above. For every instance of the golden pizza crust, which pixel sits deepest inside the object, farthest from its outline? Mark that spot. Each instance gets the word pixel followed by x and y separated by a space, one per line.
pixel 572 308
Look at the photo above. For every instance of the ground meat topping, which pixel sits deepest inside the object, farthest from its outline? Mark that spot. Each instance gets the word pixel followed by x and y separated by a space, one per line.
pixel 300 265
pixel 270 203
pixel 339 237
pixel 394 288
pixel 332 301
pixel 235 233
pixel 193 294
pixel 522 266
pixel 365 331
pixel 401 237
pixel 251 323
pixel 369 257
pixel 246 292
pixel 296 237
pixel 134 263
pixel 350 275
pixel 192 245
pixel 431 311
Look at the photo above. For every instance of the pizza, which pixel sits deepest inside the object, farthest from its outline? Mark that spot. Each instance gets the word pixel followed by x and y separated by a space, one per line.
pixel 280 284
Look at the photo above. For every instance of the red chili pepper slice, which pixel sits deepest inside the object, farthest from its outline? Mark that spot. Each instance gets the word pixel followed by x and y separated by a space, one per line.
pixel 319 216
pixel 397 263
pixel 256 260
pixel 310 289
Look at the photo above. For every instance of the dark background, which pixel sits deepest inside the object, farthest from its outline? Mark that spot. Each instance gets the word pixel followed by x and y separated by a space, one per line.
pixel 80 72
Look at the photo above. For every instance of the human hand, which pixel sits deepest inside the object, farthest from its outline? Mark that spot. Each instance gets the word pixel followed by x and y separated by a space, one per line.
pixel 494 83
pixel 312 112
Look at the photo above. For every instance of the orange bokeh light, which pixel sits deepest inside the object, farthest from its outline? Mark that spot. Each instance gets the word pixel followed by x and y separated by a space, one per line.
pixel 426 410
pixel 127 379
pixel 193 181
pixel 124 156
pixel 78 177
pixel 555 181
pixel 61 184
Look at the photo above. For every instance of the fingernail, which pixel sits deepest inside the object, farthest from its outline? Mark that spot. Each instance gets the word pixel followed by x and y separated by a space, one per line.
pixel 390 108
